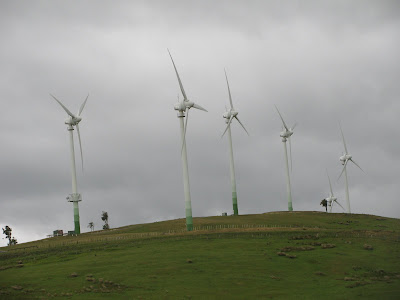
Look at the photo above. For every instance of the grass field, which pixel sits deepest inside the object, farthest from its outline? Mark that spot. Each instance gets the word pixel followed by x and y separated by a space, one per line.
pixel 280 255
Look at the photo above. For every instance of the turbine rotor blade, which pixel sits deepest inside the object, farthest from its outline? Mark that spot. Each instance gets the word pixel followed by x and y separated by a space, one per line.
pixel 229 123
pixel 339 204
pixel 284 124
pixel 184 131
pixel 62 105
pixel 83 105
pixel 294 125
pixel 199 107
pixel 177 75
pixel 356 164
pixel 229 90
pixel 344 167
pixel 80 143
pixel 344 142
pixel 330 185
pixel 241 124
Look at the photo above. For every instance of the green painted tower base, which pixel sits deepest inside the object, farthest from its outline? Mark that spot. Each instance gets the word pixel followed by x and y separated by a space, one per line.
pixel 235 205
pixel 189 220
pixel 189 223
pixel 290 207
pixel 76 218
pixel 77 228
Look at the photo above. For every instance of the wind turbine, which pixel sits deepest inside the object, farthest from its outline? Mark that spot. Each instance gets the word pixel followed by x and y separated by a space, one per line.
pixel 183 106
pixel 285 135
pixel 71 121
pixel 331 198
pixel 345 158
pixel 229 115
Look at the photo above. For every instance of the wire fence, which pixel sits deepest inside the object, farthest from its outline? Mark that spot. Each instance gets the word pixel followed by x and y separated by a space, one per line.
pixel 210 231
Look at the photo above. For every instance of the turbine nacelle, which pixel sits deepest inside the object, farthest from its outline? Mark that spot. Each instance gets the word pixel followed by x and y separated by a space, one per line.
pixel 180 106
pixel 183 106
pixel 344 158
pixel 286 133
pixel 331 199
pixel 73 121
pixel 230 113
pixel 190 104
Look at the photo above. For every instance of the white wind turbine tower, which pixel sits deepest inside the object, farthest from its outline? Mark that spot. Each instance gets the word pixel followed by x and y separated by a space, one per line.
pixel 285 135
pixel 331 198
pixel 183 107
pixel 71 121
pixel 344 159
pixel 229 115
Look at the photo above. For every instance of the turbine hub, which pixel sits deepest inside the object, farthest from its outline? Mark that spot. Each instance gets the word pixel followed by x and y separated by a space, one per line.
pixel 180 106
pixel 344 158
pixel 230 113
pixel 188 104
pixel 286 134
pixel 73 121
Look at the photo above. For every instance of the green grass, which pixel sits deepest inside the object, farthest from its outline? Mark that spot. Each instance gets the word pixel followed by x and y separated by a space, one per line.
pixel 162 261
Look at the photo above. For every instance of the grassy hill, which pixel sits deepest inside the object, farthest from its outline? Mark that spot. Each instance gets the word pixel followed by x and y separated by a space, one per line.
pixel 277 255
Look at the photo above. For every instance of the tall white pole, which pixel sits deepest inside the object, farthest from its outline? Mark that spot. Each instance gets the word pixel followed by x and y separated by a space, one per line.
pixel 289 191
pixel 233 179
pixel 186 186
pixel 75 197
pixel 347 190
pixel 72 151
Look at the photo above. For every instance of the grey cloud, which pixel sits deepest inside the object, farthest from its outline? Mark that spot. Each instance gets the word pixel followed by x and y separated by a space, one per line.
pixel 319 62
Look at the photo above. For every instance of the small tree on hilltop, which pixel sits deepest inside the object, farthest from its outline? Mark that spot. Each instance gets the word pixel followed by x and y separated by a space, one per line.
pixel 91 226
pixel 324 203
pixel 11 240
pixel 104 217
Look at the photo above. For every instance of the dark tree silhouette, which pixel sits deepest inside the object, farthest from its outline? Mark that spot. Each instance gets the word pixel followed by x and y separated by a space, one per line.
pixel 11 240
pixel 91 226
pixel 324 203
pixel 104 217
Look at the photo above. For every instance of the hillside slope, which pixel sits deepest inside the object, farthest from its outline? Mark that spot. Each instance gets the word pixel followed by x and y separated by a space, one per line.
pixel 283 255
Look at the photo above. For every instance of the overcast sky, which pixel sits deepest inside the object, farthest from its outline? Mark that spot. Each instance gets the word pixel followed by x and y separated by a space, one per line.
pixel 320 62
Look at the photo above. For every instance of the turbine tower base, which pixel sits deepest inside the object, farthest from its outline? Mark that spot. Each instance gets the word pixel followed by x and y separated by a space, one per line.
pixel 77 224
pixel 235 205
pixel 189 223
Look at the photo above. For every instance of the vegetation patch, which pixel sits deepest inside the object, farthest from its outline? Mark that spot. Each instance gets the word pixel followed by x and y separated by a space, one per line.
pixel 368 247
pixel 357 284
pixel 327 246
pixel 320 273
pixel 291 248
pixel 305 237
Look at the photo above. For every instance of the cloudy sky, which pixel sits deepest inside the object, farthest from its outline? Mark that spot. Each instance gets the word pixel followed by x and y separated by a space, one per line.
pixel 320 62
